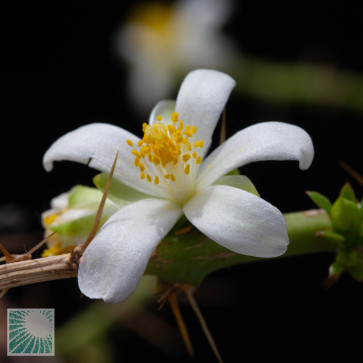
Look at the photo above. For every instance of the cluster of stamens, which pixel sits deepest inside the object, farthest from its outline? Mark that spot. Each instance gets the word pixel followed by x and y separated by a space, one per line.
pixel 166 151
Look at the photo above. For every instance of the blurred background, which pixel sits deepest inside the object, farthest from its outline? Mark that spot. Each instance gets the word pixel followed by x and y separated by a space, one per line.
pixel 63 66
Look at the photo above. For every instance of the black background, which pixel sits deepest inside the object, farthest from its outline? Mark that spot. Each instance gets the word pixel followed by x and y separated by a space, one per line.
pixel 58 72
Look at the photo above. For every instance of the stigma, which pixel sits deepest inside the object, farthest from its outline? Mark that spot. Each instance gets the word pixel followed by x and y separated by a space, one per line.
pixel 167 155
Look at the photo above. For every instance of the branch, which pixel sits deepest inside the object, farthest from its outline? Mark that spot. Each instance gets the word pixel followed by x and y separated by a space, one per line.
pixel 39 270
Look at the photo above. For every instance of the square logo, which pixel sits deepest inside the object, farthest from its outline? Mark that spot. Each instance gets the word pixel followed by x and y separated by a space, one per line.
pixel 30 332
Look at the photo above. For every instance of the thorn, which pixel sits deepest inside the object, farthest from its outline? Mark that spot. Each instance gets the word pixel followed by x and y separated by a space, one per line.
pixel 181 324
pixel 11 258
pixel 40 244
pixel 7 255
pixel 83 247
pixel 4 292
pixel 187 290
pixel 183 230
pixel 352 172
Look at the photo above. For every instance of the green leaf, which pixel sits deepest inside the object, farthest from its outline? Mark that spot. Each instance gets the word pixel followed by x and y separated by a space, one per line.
pixel 237 181
pixel 347 192
pixel 332 237
pixel 320 200
pixel 346 217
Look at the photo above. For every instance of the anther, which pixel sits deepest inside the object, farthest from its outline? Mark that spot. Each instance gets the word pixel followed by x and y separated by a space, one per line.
pixel 130 143
pixel 186 157
pixel 174 116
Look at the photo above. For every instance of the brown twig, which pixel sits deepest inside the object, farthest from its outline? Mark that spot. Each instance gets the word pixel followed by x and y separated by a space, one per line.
pixel 38 270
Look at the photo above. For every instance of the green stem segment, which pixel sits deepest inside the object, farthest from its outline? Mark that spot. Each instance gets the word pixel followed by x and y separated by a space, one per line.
pixel 189 257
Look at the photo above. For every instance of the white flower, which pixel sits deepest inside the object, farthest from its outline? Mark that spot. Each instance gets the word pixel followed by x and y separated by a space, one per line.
pixel 166 167
pixel 164 42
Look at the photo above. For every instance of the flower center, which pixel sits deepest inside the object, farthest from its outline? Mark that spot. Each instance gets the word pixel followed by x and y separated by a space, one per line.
pixel 168 157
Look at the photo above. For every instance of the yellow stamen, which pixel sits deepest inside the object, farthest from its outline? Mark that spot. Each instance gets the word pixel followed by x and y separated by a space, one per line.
pixel 174 117
pixel 130 143
pixel 186 157
pixel 136 153
pixel 164 147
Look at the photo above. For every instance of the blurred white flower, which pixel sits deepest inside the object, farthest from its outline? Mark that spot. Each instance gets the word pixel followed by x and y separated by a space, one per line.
pixel 72 215
pixel 162 43
pixel 171 175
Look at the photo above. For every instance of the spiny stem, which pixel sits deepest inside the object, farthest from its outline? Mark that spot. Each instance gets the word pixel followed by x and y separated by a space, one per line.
pixel 187 289
pixel 181 325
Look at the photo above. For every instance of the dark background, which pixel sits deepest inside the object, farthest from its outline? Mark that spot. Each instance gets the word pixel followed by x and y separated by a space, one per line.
pixel 58 72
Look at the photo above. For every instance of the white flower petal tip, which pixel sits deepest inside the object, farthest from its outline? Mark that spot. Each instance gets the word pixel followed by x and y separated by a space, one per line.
pixel 115 261
pixel 260 142
pixel 239 221
pixel 201 99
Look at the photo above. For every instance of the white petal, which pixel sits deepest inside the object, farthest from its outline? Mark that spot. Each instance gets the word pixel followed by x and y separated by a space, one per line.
pixel 164 109
pixel 239 221
pixel 201 100
pixel 263 141
pixel 96 145
pixel 114 262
